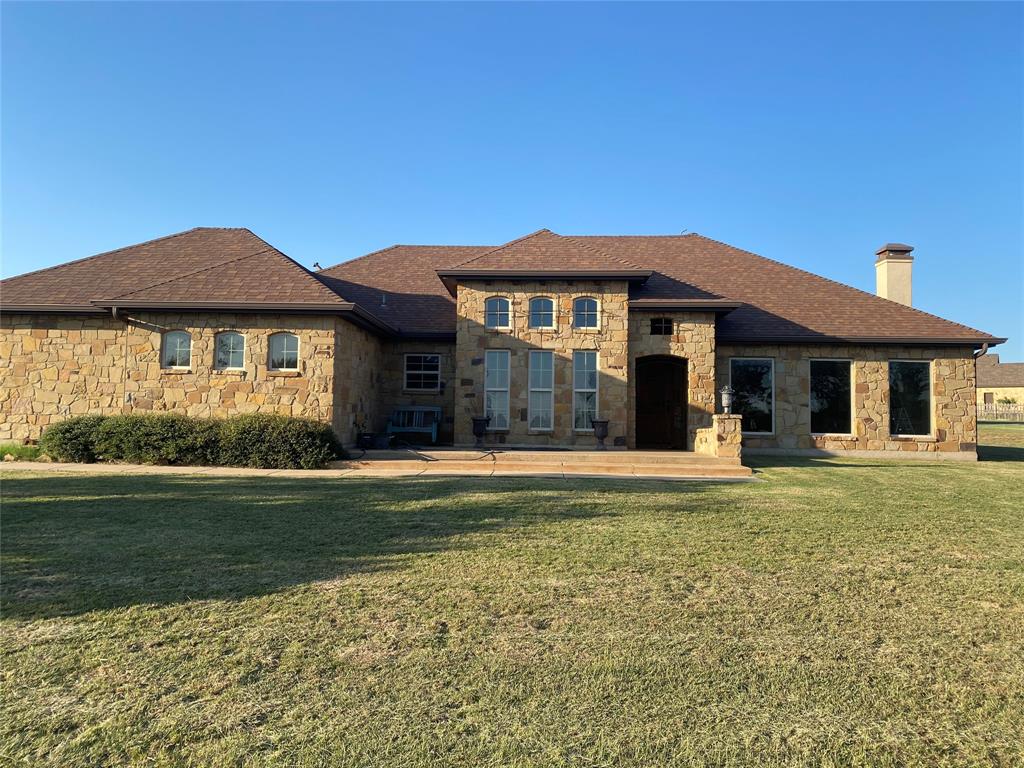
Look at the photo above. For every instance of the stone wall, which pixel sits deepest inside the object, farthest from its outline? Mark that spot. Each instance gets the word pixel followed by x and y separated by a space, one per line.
pixel 62 365
pixel 392 385
pixel 953 398
pixel 693 338
pixel 609 340
pixel 723 439
pixel 358 357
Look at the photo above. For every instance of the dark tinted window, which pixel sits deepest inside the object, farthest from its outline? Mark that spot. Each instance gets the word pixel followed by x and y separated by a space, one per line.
pixel 910 401
pixel 752 383
pixel 830 396
pixel 661 326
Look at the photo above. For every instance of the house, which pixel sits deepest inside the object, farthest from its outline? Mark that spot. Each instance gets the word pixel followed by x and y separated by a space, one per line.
pixel 999 381
pixel 542 335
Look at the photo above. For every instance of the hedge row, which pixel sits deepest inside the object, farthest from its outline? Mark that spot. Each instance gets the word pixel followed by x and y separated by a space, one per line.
pixel 256 440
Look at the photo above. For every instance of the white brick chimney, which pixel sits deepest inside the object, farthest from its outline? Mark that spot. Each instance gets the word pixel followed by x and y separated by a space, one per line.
pixel 892 272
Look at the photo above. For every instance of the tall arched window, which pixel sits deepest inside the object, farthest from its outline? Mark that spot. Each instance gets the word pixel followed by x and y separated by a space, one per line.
pixel 584 312
pixel 284 352
pixel 229 351
pixel 176 349
pixel 496 314
pixel 542 312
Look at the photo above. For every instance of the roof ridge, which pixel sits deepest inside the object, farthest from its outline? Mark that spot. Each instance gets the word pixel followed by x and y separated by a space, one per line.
pixel 113 251
pixel 505 245
pixel 309 273
pixel 190 274
pixel 842 285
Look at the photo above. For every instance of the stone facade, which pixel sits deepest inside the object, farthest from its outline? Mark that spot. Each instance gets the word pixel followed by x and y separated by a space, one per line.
pixel 609 340
pixel 953 398
pixel 723 439
pixel 392 383
pixel 693 339
pixel 63 365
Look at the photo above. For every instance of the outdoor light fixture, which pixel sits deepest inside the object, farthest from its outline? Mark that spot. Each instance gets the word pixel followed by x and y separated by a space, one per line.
pixel 727 394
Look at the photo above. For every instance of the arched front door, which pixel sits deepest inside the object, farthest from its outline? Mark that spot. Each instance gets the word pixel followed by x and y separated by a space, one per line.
pixel 661 402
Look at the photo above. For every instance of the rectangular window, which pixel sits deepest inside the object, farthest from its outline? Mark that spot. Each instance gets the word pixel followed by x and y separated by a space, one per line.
pixel 661 326
pixel 990 398
pixel 910 398
pixel 284 352
pixel 584 389
pixel 496 364
pixel 831 397
pixel 753 381
pixel 423 373
pixel 542 384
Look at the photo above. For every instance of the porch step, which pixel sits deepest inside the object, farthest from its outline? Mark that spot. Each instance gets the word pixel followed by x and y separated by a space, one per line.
pixel 541 457
pixel 549 464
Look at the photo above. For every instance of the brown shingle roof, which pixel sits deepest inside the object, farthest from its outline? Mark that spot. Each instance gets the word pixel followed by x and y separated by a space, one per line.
pixel 202 265
pixel 400 285
pixel 993 373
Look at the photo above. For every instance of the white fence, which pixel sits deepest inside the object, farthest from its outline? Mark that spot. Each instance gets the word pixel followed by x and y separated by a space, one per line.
pixel 1001 412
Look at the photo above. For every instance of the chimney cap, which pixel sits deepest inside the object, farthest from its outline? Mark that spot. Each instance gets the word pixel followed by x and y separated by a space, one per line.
pixel 895 249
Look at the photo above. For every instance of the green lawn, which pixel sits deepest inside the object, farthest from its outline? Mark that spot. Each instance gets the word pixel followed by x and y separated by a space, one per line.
pixel 838 613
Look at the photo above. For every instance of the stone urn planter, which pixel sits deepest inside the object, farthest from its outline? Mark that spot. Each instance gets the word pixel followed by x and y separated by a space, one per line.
pixel 480 429
pixel 600 432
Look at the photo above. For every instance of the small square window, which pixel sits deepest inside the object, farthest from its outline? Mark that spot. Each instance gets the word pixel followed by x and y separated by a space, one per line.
pixel 661 326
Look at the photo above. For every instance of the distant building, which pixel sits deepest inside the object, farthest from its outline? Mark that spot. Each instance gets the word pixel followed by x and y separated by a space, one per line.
pixel 999 381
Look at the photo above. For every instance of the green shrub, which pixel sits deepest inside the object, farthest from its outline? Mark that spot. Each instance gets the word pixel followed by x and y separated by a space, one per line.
pixel 19 451
pixel 73 439
pixel 276 442
pixel 159 439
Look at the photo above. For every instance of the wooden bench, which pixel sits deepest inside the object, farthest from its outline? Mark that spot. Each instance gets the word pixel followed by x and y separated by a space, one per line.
pixel 415 418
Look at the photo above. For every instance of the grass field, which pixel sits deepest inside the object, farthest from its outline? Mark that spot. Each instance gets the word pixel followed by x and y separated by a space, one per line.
pixel 838 613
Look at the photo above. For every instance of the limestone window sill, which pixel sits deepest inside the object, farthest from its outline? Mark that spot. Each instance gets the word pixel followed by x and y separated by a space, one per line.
pixel 914 438
pixel 284 374
pixel 541 432
pixel 834 435
pixel 175 371
pixel 421 391
pixel 229 372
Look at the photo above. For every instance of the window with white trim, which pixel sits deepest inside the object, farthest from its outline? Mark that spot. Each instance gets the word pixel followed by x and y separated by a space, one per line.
pixel 423 373
pixel 176 349
pixel 910 397
pixel 831 397
pixel 541 406
pixel 542 312
pixel 229 351
pixel 496 312
pixel 284 352
pixel 584 389
pixel 584 312
pixel 496 365
pixel 753 383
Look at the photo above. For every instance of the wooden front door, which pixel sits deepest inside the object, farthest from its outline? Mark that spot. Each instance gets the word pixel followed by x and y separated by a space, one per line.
pixel 661 402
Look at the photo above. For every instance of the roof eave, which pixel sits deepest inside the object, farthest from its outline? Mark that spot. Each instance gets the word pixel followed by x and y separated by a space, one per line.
pixel 451 276
pixel 720 306
pixel 64 309
pixel 919 341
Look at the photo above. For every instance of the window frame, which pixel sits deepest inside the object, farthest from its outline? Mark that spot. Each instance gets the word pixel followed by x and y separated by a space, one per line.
pixel 671 326
pixel 405 373
pixel 595 390
pixel 164 336
pixel 216 342
pixel 772 361
pixel 931 397
pixel 529 313
pixel 550 391
pixel 507 388
pixel 853 395
pixel 597 314
pixel 270 351
pixel 508 313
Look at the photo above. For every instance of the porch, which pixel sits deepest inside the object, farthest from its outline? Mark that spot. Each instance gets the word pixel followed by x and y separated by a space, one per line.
pixel 619 464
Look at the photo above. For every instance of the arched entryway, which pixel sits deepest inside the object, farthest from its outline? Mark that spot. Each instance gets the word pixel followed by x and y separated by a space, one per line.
pixel 661 402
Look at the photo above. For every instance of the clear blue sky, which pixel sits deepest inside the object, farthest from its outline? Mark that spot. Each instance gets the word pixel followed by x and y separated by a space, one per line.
pixel 810 133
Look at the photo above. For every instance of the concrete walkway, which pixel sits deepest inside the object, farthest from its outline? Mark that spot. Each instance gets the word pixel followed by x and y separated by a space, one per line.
pixel 430 469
